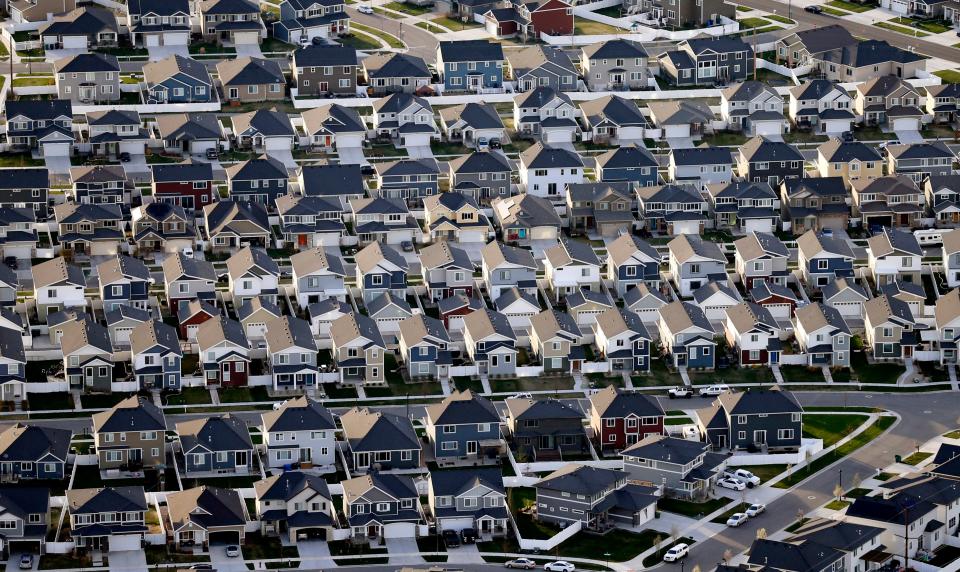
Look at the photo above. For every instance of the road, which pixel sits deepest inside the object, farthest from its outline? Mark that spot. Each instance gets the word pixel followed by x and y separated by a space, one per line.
pixel 808 20
pixel 421 43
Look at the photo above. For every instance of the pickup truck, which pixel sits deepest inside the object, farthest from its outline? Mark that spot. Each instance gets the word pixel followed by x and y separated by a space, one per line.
pixel 680 392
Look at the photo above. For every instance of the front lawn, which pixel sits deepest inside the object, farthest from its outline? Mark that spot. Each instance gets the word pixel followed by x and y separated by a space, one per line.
pixel 24 80
pixel 801 374
pixel 463 383
pixel 358 42
pixel 101 400
pixel 916 458
pixel 831 428
pixel 455 24
pixel 521 501
pixel 850 6
pixel 531 384
pixel 408 8
pixel 243 394
pixel 690 508
pixel 948 76
pixel 878 372
pixel 272 44
pixel 256 547
pixel 390 39
pixel 733 375
pixel 905 31
pixel 21 160
pixel 659 374
pixel 932 26
pixel 189 396
pixel 750 23
pixel 725 139
pixel 837 504
pixel 765 472
pixel 616 546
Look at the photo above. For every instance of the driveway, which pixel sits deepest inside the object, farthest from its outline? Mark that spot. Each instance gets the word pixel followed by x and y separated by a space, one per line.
pixel 314 554
pixel 466 554
pixel 681 142
pixel 128 561
pixel 909 136
pixel 13 563
pixel 252 50
pixel 285 156
pixel 351 156
pixel 405 546
pixel 163 52
pixel 223 563
pixel 58 165
pixel 420 152
pixel 54 55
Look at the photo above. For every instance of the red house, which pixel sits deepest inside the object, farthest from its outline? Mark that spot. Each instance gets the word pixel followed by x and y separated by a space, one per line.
pixel 554 17
pixel 224 352
pixel 187 184
pixel 779 300
pixel 192 313
pixel 453 309
pixel 621 419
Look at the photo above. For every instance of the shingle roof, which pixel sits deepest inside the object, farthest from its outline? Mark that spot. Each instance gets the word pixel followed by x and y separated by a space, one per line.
pixel 580 479
pixel 540 156
pixel 496 253
pixel 367 430
pixel 217 433
pixel 289 332
pixel 134 413
pixel 462 407
pixel 679 316
pixel 298 414
pixel 549 408
pixel 686 246
pixel 666 449
pixel 320 56
pixel 486 322
pixel 216 330
pixel 471 51
pixel 30 443
pixel 268 122
pixel 371 255
pixel 56 271
pixel 614 402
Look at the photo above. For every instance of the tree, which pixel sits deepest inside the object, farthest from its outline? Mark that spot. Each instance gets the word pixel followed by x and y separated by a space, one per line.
pixel 807 458
pixel 838 491
pixel 857 480
pixel 761 533
pixel 674 532
pixel 657 541
pixel 727 555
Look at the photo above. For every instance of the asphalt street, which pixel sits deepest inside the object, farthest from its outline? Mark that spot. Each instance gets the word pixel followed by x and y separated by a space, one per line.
pixel 420 42
pixel 808 20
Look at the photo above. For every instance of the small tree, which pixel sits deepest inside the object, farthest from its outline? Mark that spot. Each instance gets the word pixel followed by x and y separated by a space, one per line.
pixel 807 458
pixel 657 541
pixel 838 491
pixel 857 480
pixel 761 533
pixel 674 531
pixel 727 555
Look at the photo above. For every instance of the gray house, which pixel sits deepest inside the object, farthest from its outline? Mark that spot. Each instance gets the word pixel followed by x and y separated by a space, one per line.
pixel 920 160
pixel 505 267
pixel 547 429
pixel 324 70
pixel 596 497
pixel 538 66
pixel 376 501
pixel 380 440
pixel 683 468
pixel 215 445
pixel 392 72
pixel 707 61
pixel 27 515
pixel 614 65
pixel 469 498
pixel 464 428
pixel 88 78
pixel 482 176
pixel 767 420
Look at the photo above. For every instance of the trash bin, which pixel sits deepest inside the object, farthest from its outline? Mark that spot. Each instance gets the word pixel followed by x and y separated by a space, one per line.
pixel 897 458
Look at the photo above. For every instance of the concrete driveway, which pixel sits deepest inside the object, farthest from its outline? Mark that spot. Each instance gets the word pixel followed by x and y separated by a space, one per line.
pixel 13 563
pixel 162 52
pixel 128 561
pixel 285 156
pixel 314 554
pixel 403 546
pixel 58 165
pixel 681 142
pixel 223 563
pixel 909 136
pixel 54 55
pixel 420 152
pixel 252 50
pixel 351 156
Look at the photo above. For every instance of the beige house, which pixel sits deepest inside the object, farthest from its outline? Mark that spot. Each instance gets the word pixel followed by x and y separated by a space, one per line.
pixel 851 160
pixel 22 11
pixel 553 336
pixel 455 216
pixel 866 60
pixel 888 100
pixel 131 434
pixel 358 349
pixel 247 79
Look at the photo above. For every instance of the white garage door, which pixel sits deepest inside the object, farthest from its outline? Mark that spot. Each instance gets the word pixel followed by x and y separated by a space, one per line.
pixel 120 542
pixel 200 147
pixel 905 124
pixel 647 315
pixel 558 135
pixel 246 37
pixel 400 530
pixel 123 335
pixel 74 42
pixel 256 330
pixel 176 39
pixel 848 308
pixel 766 128
pixel 56 149
pixel 21 252
pixel 277 144
pixel 152 40
pixel 457 524
pixel 132 147
pixel 676 131
pixel 757 225
pixel 192 333
pixel 543 233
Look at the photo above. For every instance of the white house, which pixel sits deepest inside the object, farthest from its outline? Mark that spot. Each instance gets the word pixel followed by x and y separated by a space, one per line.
pixel 301 431
pixel 546 171
pixel 571 265
pixel 57 285
pixel 951 257
pixel 894 255
pixel 251 273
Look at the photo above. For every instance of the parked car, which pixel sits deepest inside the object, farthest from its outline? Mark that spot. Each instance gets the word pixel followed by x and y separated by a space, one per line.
pixel 451 538
pixel 10 262
pixel 124 157
pixel 521 563
pixel 522 395
pixel 212 154
pixel 201 566
pixel 737 519
pixel 495 143
pixel 365 9
pixel 468 535
pixel 677 552
pixel 814 9
pixel 559 566
pixel 714 390
pixel 233 551
pixel 407 246
pixel 26 561
pixel 755 509
pixel 731 483
pixel 684 392
pixel 744 476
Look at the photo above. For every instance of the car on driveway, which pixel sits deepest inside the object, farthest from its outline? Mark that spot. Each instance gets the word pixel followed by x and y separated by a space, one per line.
pixel 26 561
pixel 755 509
pixel 468 535
pixel 451 538
pixel 744 476
pixel 731 483
pixel 559 566
pixel 677 552
pixel 737 519
pixel 521 563
pixel 233 551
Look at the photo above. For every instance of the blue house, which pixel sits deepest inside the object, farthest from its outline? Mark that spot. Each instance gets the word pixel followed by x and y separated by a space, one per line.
pixel 261 180
pixel 470 65
pixel 380 440
pixel 632 261
pixel 687 335
pixel 423 344
pixel 218 445
pixel 381 269
pixel 303 20
pixel 155 352
pixel 464 428
pixel 822 259
pixel 30 452
pixel 124 281
pixel 177 80
pixel 630 163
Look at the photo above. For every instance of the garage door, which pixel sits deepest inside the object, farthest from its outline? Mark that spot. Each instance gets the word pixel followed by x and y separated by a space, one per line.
pixel 558 135
pixel 848 308
pixel 176 39
pixel 192 332
pixel 123 335
pixel 677 131
pixel 766 128
pixel 278 144
pixel 457 524
pixel 200 147
pixel 121 542
pixel 56 149
pixel 246 37
pixel 224 537
pixel 543 233
pixel 134 148
pixel 400 530
pixel 905 124
pixel 757 225
pixel 152 40
pixel 74 42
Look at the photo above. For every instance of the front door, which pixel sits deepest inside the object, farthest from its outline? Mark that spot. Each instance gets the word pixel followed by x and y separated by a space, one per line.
pixel 225 376
pixel 135 455
pixel 234 93
pixel 760 437
pixel 363 460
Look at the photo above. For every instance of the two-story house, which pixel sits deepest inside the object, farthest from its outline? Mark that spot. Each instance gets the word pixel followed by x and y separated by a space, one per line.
pixel 405 118
pixel 91 78
pixel 687 336
pixel 694 262
pixel 571 265
pixel 88 27
pixel 850 160
pixel 300 431
pixel 100 184
pixel 123 281
pixel 215 445
pixel 822 258
pixel 602 208
pixel 761 257
pixel 594 497
pixel 614 64
pixel 392 72
pixel 107 518
pixel 158 23
pixel 456 217
pixel 224 351
pixel 408 180
pixel 763 159
pixel 476 125
pixel 754 333
pixel 325 70
pixel 629 163
pixel 754 108
pixel 162 228
pixel 943 198
pixel 889 100
pixel 130 434
pixel 311 222
pixel 632 261
pixel 525 218
pixel 555 339
pixel 470 65
pixel 490 342
pixel 188 184
pixel 334 126
pixel 294 503
pixel 684 468
pixel 620 418
pixel 385 220
pixel 481 176
pixel 822 335
pixel 504 267
pixel 381 269
pixel 545 114
pixel 262 180
pixel 891 330
pixel 230 22
pixel 707 61
pixel 376 501
pixel 447 270
pixel 87 356
pixel 252 273
pixel 379 440
pixel 188 278
pixel 57 285
pixel 545 170
pixel 920 160
pixel 32 452
pixel 358 349
pixel 672 209
pixel 90 229
pixel 464 428
pixel 156 354
pixel 177 79
pixel 318 274
pixel 699 166
pixel 745 206
pixel 44 125
pixel 822 106
pixel 303 21
pixel 815 203
pixel 469 498
pixel 292 354
pixel 891 201
pixel 894 255
pixel 199 514
pixel 544 429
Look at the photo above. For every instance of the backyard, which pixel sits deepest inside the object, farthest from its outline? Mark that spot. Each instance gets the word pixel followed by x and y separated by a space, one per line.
pixel 733 375
pixel 691 508
pixel 616 546
pixel 522 501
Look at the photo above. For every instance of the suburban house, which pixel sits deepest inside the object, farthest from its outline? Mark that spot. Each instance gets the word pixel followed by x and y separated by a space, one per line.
pixel 263 130
pixel 190 133
pixel 300 432
pixel 744 206
pixel 87 356
pixel 891 201
pixel 464 429
pixel 545 114
pixel 620 419
pixel 44 125
pixel 295 504
pixel 822 335
pixel 130 434
pixel 707 61
pixel 851 160
pixel 177 79
pixel 408 180
pixel 334 126
pixel 292 354
pixel 890 328
pixel 761 257
pixel 474 124
pixel 123 281
pixel 504 267
pixel 888 100
pixel 469 498
pixel 215 445
pixel 188 184
pixel 310 222
pixel 847 297
pixel 802 47
pixel 470 65
pixel 823 259
pixel 107 518
pixel 95 230
pixel 918 161
pixel 100 184
pixel 262 180
pixel 490 343
pixel 943 198
pixel 684 468
pixel 481 176
pixel 614 64
pixel 815 203
pixel 88 78
pixel 687 336
pixel 252 273
pixel 230 22
pixel 645 302
pixel 623 340
pixel 525 218
pixel 821 106
pixel 249 80
pixel 325 71
pixel 694 262
pixel 424 343
pixel 379 440
pixel 154 23
pixel 387 220
pixel 80 28
pixel 601 208
pixel 594 497
pixel 392 72
pixel 358 349
pixel 318 274
pixel 867 59
pixel 156 355
pixel 682 118
pixel 672 209
pixel 188 278
pixel 545 429
pixel 632 261
pixel 555 339
pixel 613 120
pixel 202 513
pixel 699 166
pixel 162 228
pixel 32 452
pixel 224 352
pixel 380 502
pixel 571 265
pixel 630 163
pixel 546 170
pixel 57 285
pixel 754 108
pixel 447 270
pixel 893 256
pixel 456 216
pixel 763 159
pixel 381 269
pixel 303 21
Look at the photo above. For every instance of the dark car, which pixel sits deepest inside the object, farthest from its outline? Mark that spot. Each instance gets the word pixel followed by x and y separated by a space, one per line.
pixel 213 154
pixel 451 538
pixel 848 136
pixel 495 143
pixel 814 9
pixel 469 535
pixel 368 170
pixel 125 157
pixel 10 262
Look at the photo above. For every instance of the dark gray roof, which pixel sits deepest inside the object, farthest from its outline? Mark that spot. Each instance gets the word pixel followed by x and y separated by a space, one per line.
pixel 320 56
pixel 838 151
pixel 761 149
pixel 803 557
pixel 820 186
pixel 217 433
pixel 464 407
pixel 629 156
pixel 540 156
pixel 288 484
pixel 32 443
pixel 480 162
pixel 258 303
pixel 581 479
pixel 367 430
pixel 268 122
pixel 455 482
pixel 539 97
pixel 48 109
pixel 815 88
pixel 549 408
pixel 933 149
pixel 264 167
pixel 152 333
pixel 404 167
pixel 614 109
pixel 870 53
pixel 332 180
pixel 188 126
pixel 666 449
pixel 216 330
pixel 701 156
pixel 107 499
pixel 613 49
pixel 11 344
pixel 35 178
pixel 477 115
pixel 299 414
pixel 845 536
pixel 182 266
pixel 615 402
pixel 720 45
pixel 759 401
pixel 134 413
pixel 890 510
pixel 80 21
pixel 84 63
pixel 471 51
pixel 24 501
pixel 246 70
pixel 390 65
pixel 182 172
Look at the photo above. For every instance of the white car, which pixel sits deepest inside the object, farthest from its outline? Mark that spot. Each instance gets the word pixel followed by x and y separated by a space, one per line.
pixel 523 395
pixel 559 566
pixel 365 9
pixel 744 476
pixel 678 392
pixel 737 519
pixel 731 483
pixel 233 551
pixel 755 509
pixel 714 390
pixel 676 553
pixel 187 251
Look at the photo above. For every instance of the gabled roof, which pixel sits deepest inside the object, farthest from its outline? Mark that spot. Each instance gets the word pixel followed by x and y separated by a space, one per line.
pixel 289 332
pixel 219 329
pixel 812 244
pixel 686 246
pixel 628 156
pixel 947 308
pixel 57 271
pixel 700 156
pixel 614 402
pixel 580 479
pixel 335 118
pixel 759 244
pixel 569 251
pixel 892 241
pixel 318 259
pixel 322 56
pixel 367 430
pixel 135 413
pixel 207 507
pixel 781 555
pixel 48 109
pixel 246 70
pixel 86 63
pixel 397 486
pixel 480 162
pixel 188 127
pixel 288 484
pixel 398 101
pixel 186 171
pixel 241 217
pixel 838 151
pixel 80 21
pixel 870 53
pixel 477 115
pixel 228 7
pixel 332 180
pixel 216 433
pixel 931 150
pixel 31 443
pixel 106 499
pixel 614 109
pixel 666 449
pixel 759 401
pixel 445 254
pixel 746 315
pixel 371 255
pixel 258 305
pixel 883 308
pixel 613 49
pixel 748 91
pixel 679 316
pixel 350 326
pixel 120 267
pixel 263 167
pixel 540 156
pixel 268 122
pixel 455 482
pixel 486 322
pixel 883 86
pixel 549 408
pixel 180 266
pixel 250 259
pixel 526 211
pixel 822 39
pixel 540 96
pixel 390 65
pixel 470 51
pixel 551 323
pixel 549 58
pixel 158 71
pixel 496 253
pixel 817 88
pixel 628 245
pixel 679 112
pixel 462 407
pixel 81 333
pixel 761 149
pixel 153 333
pixel 298 414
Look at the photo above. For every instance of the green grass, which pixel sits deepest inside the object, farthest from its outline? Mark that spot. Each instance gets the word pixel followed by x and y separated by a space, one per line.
pixel 621 545
pixel 849 6
pixel 837 504
pixel 765 472
pixel 677 421
pixel 359 42
pixel 932 26
pixel 690 508
pixel 801 374
pixel 157 554
pixel 455 25
pixel 20 160
pixel 916 458
pixel 520 498
pixel 880 372
pixel 744 9
pixel 725 139
pixel 955 434
pixel 884 476
pixel 830 428
pixel 465 383
pixel 101 401
pixel 901 29
pixel 754 375
pixel 272 44
pixel 243 394
pixel 190 396
pixel 531 384
pixel 659 375
pixel 750 23
pixel 779 18
pixel 390 39
pixel 656 557
pixel 948 76
pixel 32 81
pixel 432 28
pixel 123 51
pixel 210 48
pixel 834 12
pixel 432 544
pixel 868 435
pixel 408 8
pixel 256 547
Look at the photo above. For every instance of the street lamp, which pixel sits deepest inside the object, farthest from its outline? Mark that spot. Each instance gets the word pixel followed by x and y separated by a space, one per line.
pixel 606 556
